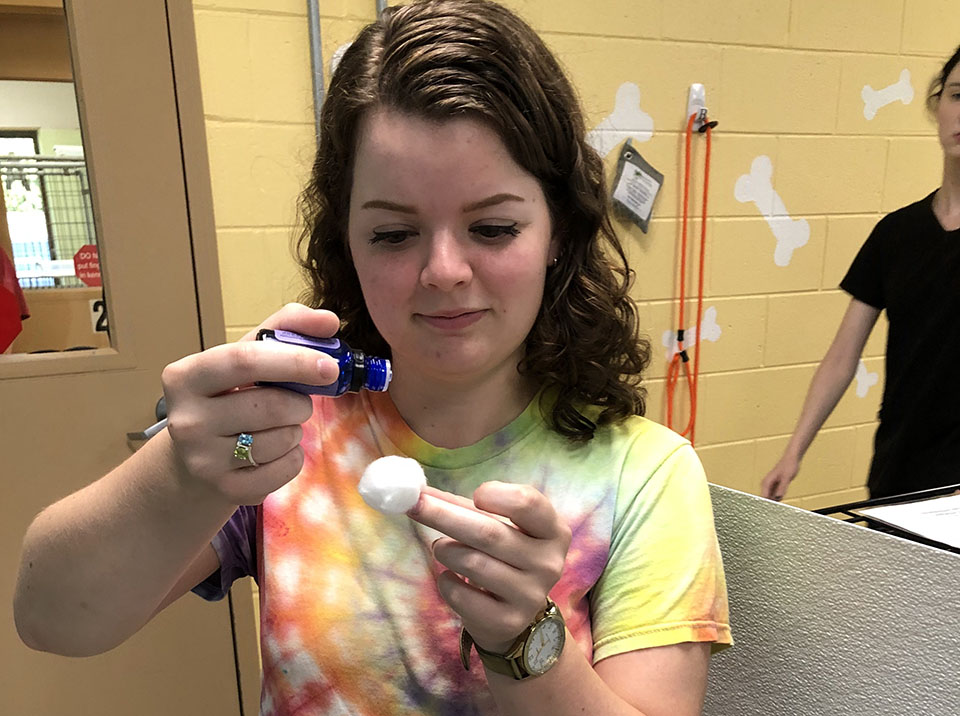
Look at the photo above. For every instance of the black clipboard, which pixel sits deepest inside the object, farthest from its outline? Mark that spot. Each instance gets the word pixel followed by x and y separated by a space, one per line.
pixel 850 514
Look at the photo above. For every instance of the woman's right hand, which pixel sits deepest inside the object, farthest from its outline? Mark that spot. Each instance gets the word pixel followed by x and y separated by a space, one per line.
pixel 211 398
pixel 774 485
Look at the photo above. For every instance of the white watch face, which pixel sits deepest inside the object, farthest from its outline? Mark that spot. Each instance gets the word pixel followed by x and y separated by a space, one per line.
pixel 544 645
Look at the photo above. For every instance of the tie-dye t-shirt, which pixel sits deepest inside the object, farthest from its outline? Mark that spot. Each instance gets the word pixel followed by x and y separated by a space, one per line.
pixel 351 619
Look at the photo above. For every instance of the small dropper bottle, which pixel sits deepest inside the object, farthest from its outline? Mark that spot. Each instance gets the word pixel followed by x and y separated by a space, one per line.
pixel 358 371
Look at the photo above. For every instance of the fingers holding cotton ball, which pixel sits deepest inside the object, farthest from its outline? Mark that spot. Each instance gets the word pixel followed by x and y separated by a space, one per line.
pixel 392 484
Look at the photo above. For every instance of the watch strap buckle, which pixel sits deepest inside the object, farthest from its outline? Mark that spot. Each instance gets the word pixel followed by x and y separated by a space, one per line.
pixel 466 644
pixel 509 663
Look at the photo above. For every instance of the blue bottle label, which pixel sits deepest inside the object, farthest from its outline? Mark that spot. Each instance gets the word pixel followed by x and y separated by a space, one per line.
pixel 327 345
pixel 331 346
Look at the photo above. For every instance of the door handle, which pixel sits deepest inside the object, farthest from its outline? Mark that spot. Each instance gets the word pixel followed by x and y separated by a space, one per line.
pixel 142 436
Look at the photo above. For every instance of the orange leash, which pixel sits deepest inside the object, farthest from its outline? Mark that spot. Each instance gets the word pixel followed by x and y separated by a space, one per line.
pixel 680 357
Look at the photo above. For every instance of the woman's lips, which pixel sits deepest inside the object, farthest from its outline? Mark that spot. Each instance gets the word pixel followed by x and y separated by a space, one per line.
pixel 452 321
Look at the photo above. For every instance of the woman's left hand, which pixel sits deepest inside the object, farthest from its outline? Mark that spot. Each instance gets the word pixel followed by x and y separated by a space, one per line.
pixel 504 551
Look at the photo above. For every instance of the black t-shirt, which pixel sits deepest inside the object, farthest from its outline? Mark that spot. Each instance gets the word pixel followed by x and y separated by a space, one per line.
pixel 910 266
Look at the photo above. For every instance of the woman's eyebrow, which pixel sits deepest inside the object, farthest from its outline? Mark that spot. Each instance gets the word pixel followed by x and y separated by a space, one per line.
pixel 388 205
pixel 476 206
pixel 491 201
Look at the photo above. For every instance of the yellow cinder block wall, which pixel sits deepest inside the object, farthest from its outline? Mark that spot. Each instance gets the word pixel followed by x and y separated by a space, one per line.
pixel 783 78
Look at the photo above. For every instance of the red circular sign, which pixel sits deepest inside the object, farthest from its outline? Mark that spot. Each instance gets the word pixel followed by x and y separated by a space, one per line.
pixel 86 265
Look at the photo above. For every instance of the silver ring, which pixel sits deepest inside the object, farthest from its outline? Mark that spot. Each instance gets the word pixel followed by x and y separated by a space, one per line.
pixel 242 450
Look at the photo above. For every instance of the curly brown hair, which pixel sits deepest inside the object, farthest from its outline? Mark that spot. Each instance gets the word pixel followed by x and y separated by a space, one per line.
pixel 442 59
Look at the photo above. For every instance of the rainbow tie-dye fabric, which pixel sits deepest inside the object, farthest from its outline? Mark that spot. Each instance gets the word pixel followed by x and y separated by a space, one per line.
pixel 351 620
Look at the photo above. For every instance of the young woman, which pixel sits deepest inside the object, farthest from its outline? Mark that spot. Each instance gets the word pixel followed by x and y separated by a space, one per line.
pixel 456 222
pixel 909 267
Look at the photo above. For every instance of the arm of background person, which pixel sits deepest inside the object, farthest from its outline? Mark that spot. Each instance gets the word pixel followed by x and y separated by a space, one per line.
pixel 834 374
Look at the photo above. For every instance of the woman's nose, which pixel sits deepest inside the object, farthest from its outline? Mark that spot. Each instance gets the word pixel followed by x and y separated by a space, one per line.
pixel 446 264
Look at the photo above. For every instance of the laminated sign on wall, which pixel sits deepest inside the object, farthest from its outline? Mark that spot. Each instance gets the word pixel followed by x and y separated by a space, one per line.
pixel 636 186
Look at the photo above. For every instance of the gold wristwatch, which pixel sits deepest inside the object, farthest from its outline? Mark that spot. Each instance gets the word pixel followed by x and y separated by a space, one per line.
pixel 534 652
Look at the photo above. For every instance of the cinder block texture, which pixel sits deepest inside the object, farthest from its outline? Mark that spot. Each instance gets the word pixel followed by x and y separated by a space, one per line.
pixel 731 465
pixel 653 256
pixel 740 256
pixel 858 25
pixel 621 18
pixel 257 7
pixel 930 27
pixel 801 326
pixel 828 175
pixel 238 85
pixel 350 9
pixel 737 22
pixel 257 171
pixel 270 252
pixel 778 91
pixel 729 408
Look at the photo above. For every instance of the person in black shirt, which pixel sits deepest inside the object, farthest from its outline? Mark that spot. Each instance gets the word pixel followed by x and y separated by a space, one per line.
pixel 910 267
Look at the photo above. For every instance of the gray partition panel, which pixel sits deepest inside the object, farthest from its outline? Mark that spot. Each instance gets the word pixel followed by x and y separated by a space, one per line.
pixel 832 618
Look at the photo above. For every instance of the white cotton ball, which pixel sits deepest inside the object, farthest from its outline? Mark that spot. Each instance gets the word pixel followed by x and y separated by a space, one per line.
pixel 392 484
